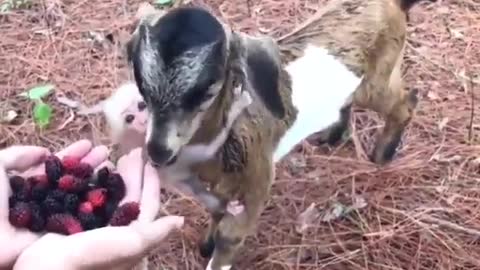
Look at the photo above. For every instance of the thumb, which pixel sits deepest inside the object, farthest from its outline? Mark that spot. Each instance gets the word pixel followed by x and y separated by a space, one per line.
pixel 155 232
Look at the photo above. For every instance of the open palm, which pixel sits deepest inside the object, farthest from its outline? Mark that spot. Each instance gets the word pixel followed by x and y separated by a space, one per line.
pixel 109 247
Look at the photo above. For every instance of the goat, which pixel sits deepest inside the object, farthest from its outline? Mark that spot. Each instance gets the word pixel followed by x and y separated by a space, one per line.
pixel 126 115
pixel 186 62
pixel 368 37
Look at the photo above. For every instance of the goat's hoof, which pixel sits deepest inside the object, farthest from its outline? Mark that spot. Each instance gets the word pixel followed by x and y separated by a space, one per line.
pixel 206 247
pixel 381 157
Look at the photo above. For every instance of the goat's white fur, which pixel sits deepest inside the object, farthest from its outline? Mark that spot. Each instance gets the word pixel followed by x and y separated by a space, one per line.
pixel 321 86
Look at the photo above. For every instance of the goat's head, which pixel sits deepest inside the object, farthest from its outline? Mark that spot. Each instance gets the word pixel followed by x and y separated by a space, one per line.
pixel 180 64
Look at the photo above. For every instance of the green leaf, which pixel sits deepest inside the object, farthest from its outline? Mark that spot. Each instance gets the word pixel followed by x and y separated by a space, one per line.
pixel 5 7
pixel 42 113
pixel 162 2
pixel 38 92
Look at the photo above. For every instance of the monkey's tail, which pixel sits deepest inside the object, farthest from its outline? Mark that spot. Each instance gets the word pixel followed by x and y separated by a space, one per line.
pixel 406 5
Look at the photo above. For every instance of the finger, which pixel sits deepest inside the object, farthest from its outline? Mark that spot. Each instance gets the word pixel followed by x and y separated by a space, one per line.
pixel 18 243
pixel 76 149
pixel 150 201
pixel 21 158
pixel 4 195
pixel 96 156
pixel 108 164
pixel 130 168
pixel 154 232
pixel 111 245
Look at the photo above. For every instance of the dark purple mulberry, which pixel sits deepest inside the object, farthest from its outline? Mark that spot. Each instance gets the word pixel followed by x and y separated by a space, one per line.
pixel 51 205
pixel 16 183
pixel 57 194
pixel 38 218
pixel 116 187
pixel 71 203
pixel 53 169
pixel 102 177
pixel 12 200
pixel 40 191
pixel 90 221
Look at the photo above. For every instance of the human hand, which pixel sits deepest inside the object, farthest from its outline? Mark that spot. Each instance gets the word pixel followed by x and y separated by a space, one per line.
pixel 28 161
pixel 109 247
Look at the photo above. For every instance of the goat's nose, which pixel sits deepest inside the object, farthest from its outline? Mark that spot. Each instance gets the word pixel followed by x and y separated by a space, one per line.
pixel 159 154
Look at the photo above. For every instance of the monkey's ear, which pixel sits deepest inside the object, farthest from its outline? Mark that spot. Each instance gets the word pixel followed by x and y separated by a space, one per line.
pixel 259 59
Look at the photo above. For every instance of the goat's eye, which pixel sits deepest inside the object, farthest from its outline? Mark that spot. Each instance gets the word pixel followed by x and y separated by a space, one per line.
pixel 208 96
pixel 129 118
pixel 141 105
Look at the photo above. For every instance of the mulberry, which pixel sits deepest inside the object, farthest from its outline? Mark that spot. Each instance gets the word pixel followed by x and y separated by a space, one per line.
pixel 63 224
pixel 89 221
pixel 20 215
pixel 40 191
pixel 38 220
pixel 69 163
pixel 71 203
pixel 53 169
pixel 125 214
pixel 17 183
pixel 97 197
pixel 51 205
pixel 116 186
pixel 82 170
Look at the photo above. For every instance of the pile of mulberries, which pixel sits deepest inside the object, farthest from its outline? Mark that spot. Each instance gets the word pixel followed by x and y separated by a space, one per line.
pixel 69 198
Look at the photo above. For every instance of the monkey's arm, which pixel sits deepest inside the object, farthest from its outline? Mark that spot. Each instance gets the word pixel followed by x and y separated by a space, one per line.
pixel 192 185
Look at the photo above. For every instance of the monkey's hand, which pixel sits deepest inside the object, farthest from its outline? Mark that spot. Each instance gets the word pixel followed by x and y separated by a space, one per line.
pixel 241 100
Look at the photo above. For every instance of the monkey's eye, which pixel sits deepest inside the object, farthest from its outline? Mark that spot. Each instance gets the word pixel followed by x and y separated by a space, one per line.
pixel 141 105
pixel 129 118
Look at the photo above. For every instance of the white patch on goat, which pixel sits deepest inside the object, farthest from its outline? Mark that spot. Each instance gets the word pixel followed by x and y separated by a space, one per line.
pixel 321 85
pixel 174 138
pixel 209 266
pixel 149 129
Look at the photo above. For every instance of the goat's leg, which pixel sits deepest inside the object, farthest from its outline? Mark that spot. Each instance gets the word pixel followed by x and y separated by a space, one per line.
pixel 395 123
pixel 335 132
pixel 232 230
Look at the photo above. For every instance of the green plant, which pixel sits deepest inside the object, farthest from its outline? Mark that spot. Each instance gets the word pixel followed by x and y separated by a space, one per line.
pixel 8 5
pixel 162 2
pixel 42 112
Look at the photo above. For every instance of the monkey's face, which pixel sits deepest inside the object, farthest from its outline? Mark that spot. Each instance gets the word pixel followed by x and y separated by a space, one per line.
pixel 179 65
pixel 135 117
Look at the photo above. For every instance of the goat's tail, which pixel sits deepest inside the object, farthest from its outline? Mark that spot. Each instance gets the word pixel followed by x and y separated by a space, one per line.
pixel 405 5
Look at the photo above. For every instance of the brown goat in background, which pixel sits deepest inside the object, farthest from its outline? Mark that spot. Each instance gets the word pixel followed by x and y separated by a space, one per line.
pixel 369 38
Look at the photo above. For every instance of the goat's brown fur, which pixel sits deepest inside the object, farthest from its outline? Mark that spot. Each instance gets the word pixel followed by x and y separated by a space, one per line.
pixel 369 38
pixel 244 168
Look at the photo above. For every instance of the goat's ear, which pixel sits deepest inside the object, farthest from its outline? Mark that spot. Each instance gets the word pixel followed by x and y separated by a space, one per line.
pixel 260 63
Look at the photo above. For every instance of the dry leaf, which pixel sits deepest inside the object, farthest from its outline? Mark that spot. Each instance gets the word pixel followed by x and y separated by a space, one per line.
pixel 440 159
pixel 476 161
pixel 336 211
pixel 456 33
pixel 307 218
pixel 432 95
pixel 9 117
pixel 68 102
pixel 443 123
pixel 359 203
pixel 68 121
